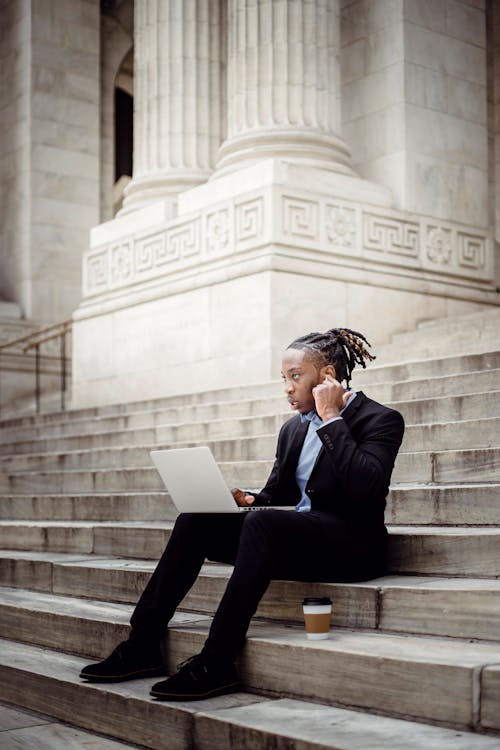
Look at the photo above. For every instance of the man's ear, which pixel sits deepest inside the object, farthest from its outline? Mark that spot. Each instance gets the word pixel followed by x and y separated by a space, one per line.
pixel 327 370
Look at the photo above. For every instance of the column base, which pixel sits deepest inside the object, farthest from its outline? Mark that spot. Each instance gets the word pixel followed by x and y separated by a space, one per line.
pixel 144 191
pixel 308 147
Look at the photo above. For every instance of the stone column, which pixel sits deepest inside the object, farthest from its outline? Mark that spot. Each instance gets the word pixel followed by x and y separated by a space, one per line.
pixel 177 97
pixel 284 84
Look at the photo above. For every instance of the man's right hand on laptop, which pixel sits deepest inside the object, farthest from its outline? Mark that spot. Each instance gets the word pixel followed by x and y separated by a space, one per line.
pixel 242 498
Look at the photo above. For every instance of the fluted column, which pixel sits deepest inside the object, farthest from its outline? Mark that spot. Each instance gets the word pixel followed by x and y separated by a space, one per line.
pixel 177 97
pixel 283 84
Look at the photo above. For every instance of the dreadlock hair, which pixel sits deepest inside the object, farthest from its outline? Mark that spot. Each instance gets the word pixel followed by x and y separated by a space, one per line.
pixel 340 347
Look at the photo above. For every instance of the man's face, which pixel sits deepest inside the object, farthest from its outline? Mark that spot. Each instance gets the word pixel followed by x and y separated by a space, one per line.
pixel 300 374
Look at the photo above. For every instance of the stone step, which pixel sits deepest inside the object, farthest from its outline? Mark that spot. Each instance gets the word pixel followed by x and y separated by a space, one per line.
pixel 121 579
pixel 47 682
pixel 443 409
pixel 423 550
pixel 414 549
pixel 388 389
pixel 470 325
pixel 21 730
pixel 138 506
pixel 483 433
pixel 367 670
pixel 250 474
pixel 441 505
pixel 380 372
pixel 446 337
pixel 451 607
pixel 177 414
pixel 474 465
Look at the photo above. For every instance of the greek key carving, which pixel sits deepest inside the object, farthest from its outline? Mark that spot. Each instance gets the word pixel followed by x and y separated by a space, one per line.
pixel 300 217
pixel 249 218
pixel 181 242
pixel 390 235
pixel 340 225
pixel 147 251
pixel 97 271
pixel 438 244
pixel 471 250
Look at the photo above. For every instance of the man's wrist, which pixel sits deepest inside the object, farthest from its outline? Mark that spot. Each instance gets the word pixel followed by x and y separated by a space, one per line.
pixel 330 414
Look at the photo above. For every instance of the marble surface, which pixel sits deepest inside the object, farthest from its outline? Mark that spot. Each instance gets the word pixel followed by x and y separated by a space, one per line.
pixel 22 730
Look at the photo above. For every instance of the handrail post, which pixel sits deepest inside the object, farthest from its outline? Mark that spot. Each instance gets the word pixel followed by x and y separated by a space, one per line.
pixel 37 377
pixel 63 371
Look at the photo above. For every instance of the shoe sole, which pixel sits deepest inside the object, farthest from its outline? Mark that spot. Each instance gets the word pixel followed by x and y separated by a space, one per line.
pixel 231 688
pixel 143 673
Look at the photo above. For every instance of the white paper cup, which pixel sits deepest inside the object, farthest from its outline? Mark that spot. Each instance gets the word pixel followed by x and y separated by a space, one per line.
pixel 317 616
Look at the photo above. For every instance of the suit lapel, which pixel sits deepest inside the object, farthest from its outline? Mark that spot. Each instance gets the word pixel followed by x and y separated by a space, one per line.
pixel 296 442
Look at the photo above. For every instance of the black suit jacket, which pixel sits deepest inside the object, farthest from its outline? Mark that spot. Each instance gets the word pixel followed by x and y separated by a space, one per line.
pixel 352 472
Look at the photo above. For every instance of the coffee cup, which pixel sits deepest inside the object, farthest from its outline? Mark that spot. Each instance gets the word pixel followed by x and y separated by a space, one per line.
pixel 317 615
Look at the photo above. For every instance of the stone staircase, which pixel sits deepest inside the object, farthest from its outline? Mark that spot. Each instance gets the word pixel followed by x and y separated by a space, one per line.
pixel 413 660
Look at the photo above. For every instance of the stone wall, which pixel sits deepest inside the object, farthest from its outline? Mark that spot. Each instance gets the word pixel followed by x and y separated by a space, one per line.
pixel 51 170
pixel 414 102
pixel 15 65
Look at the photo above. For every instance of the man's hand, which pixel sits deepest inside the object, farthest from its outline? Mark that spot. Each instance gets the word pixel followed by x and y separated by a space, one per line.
pixel 330 398
pixel 242 498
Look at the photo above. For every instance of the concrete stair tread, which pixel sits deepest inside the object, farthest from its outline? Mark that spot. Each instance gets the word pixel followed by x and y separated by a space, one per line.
pixel 22 730
pixel 404 663
pixel 223 723
pixel 150 437
pixel 147 408
pixel 432 605
pixel 439 404
pixel 247 449
pixel 467 504
pixel 393 529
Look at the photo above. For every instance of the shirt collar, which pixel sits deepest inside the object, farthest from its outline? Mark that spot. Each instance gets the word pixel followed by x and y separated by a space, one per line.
pixel 312 416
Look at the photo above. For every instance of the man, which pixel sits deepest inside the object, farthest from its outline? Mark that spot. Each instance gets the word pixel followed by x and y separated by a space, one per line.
pixel 334 462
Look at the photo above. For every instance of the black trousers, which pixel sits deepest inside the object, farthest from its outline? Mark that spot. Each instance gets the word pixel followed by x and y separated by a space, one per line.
pixel 262 546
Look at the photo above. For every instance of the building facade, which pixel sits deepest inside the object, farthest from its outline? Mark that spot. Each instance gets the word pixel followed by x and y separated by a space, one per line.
pixel 297 164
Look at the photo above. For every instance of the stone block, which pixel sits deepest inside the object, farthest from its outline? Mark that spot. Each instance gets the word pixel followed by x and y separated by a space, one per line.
pixel 372 670
pixel 428 14
pixel 454 140
pixel 35 574
pixel 466 23
pixel 103 579
pixel 490 697
pixel 455 58
pixel 459 608
pixel 428 88
pixel 466 100
pixel 373 92
pixel 54 687
pixel 444 551
pixel 57 161
pixel 46 537
pixel 435 186
pixel 131 541
pixel 306 726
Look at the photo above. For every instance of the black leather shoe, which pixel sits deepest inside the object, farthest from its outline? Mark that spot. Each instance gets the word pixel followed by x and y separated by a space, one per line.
pixel 126 662
pixel 198 678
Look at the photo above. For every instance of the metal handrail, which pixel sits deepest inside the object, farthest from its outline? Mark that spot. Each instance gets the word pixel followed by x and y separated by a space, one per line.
pixel 33 341
pixel 67 324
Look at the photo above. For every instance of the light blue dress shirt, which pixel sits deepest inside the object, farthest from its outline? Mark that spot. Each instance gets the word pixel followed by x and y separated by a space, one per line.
pixel 309 453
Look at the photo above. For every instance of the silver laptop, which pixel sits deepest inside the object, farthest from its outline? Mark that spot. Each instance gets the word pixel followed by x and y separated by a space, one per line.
pixel 195 482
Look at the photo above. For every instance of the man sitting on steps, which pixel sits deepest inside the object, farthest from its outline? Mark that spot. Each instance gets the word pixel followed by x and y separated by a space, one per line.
pixel 334 461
